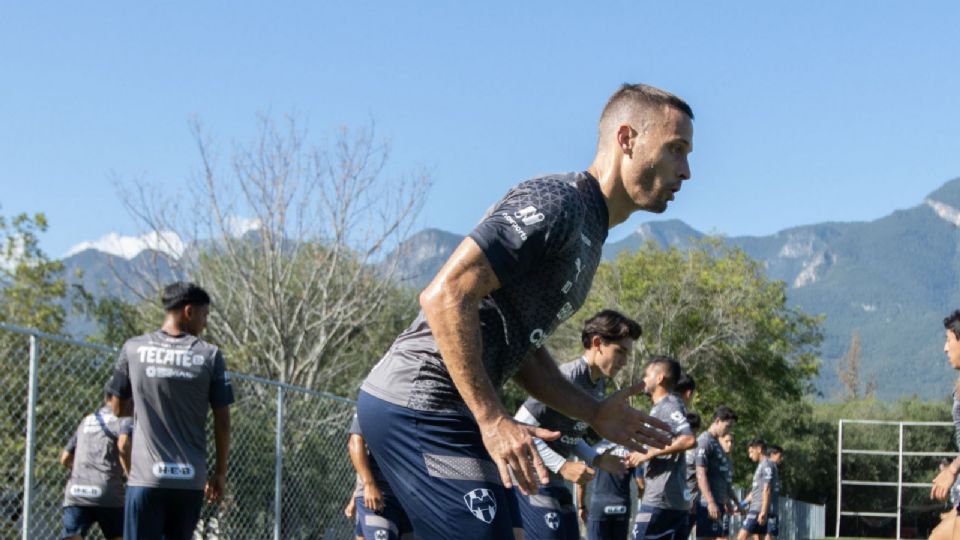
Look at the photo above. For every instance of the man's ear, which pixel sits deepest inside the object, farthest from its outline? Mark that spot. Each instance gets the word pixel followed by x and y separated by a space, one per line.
pixel 626 136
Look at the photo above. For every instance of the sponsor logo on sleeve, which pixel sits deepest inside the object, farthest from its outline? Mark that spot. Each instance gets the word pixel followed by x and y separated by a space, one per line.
pixel 87 492
pixel 529 216
pixel 174 471
pixel 481 504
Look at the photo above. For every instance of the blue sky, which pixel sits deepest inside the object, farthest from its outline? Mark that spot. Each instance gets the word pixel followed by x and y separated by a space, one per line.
pixel 806 111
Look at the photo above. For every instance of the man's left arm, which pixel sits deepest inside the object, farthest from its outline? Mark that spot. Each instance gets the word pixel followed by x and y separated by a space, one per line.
pixel 613 418
pixel 221 396
pixel 680 444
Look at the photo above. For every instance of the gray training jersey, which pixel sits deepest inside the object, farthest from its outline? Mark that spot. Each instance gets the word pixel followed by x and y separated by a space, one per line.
pixel 955 412
pixel 572 431
pixel 765 474
pixel 96 478
pixel 711 456
pixel 543 241
pixel 173 380
pixel 665 477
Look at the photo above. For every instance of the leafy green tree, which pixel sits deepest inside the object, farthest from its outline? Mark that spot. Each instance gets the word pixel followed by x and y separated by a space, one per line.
pixel 32 286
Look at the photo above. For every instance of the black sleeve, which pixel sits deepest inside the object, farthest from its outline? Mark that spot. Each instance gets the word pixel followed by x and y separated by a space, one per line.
pixel 221 391
pixel 119 384
pixel 71 445
pixel 534 218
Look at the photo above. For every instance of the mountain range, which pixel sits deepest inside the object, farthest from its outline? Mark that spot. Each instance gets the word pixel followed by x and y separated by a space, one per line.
pixel 890 280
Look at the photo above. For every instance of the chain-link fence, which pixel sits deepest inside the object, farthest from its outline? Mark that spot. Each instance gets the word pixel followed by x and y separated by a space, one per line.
pixel 289 474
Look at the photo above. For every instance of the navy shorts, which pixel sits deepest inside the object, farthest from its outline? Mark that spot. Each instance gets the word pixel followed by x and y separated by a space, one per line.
pixel 77 520
pixel 773 526
pixel 608 528
pixel 661 524
pixel 751 525
pixel 438 469
pixel 152 513
pixel 358 526
pixel 391 523
pixel 711 528
pixel 549 514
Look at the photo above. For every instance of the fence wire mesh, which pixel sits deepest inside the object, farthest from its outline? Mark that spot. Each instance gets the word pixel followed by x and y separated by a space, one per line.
pixel 285 441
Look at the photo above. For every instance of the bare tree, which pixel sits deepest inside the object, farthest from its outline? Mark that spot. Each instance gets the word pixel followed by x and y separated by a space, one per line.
pixel 848 369
pixel 291 241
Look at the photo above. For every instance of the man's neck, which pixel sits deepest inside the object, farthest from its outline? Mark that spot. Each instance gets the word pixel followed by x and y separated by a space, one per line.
pixel 172 327
pixel 595 373
pixel 606 169
pixel 715 431
pixel 659 393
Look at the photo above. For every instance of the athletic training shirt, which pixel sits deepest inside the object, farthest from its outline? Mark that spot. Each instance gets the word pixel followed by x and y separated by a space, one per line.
pixel 711 456
pixel 173 381
pixel 610 493
pixel 955 412
pixel 96 478
pixel 766 473
pixel 665 479
pixel 543 241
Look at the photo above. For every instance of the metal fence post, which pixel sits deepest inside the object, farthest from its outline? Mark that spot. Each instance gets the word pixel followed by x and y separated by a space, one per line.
pixel 839 476
pixel 31 437
pixel 900 481
pixel 278 472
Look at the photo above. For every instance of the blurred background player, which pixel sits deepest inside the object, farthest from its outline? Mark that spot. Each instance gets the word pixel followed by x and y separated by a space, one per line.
pixel 686 388
pixel 761 495
pixel 690 457
pixel 713 477
pixel 775 454
pixel 379 514
pixel 173 378
pixel 98 456
pixel 665 507
pixel 549 514
pixel 607 517
pixel 949 526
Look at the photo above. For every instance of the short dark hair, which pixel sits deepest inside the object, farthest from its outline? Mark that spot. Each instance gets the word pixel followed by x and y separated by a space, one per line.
pixel 639 95
pixel 684 383
pixel 694 420
pixel 609 325
pixel 179 294
pixel 952 323
pixel 669 367
pixel 773 449
pixel 757 441
pixel 724 413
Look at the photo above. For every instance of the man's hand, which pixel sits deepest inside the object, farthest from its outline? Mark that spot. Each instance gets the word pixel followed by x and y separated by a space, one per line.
pixel 615 420
pixel 762 518
pixel 372 497
pixel 351 509
pixel 577 472
pixel 214 487
pixel 583 514
pixel 635 459
pixel 511 446
pixel 713 510
pixel 942 484
pixel 610 462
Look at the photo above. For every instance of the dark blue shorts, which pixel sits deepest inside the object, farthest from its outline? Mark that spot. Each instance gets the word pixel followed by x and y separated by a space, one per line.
pixel 608 528
pixel 773 526
pixel 79 520
pixel 549 514
pixel 389 524
pixel 661 524
pixel 438 469
pixel 153 513
pixel 712 528
pixel 358 525
pixel 751 526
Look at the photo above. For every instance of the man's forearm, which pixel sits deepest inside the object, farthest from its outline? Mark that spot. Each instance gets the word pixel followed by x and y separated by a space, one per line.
pixel 765 500
pixel 704 485
pixel 221 437
pixel 679 444
pixel 542 379
pixel 358 456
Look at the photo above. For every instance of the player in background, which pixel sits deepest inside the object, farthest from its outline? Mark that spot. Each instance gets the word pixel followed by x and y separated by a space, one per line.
pixel 549 514
pixel 486 316
pixel 686 388
pixel 172 378
pixel 761 495
pixel 690 457
pixel 350 511
pixel 379 514
pixel 98 456
pixel 665 506
pixel 775 454
pixel 949 526
pixel 713 477
pixel 608 515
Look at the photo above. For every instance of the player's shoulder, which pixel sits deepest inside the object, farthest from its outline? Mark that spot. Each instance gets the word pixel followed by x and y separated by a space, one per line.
pixel 574 368
pixel 136 341
pixel 551 193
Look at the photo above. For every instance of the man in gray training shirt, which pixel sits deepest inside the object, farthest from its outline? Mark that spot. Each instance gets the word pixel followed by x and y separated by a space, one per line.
pixel 665 506
pixel 549 514
pixel 761 494
pixel 713 474
pixel 173 378
pixel 96 456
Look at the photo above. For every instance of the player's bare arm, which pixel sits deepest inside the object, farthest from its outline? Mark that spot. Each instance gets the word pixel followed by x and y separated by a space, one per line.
pixel 944 481
pixel 124 446
pixel 66 459
pixel 221 438
pixel 679 445
pixel 121 407
pixel 450 304
pixel 712 509
pixel 613 418
pixel 372 495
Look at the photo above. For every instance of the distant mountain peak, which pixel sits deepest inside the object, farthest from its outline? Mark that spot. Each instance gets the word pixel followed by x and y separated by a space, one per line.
pixel 128 247
pixel 945 211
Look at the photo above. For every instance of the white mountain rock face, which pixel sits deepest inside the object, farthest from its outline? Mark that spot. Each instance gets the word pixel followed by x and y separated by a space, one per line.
pixel 813 269
pixel 945 211
pixel 128 247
